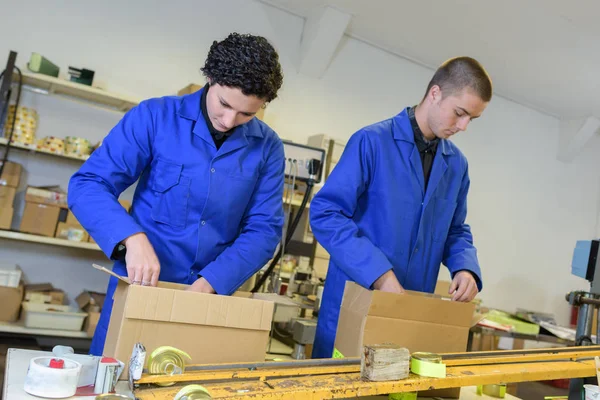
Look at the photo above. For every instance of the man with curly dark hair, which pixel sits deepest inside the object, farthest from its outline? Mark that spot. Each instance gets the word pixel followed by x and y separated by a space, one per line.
pixel 207 209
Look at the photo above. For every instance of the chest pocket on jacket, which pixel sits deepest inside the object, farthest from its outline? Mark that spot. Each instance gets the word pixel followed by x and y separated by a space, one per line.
pixel 442 218
pixel 172 191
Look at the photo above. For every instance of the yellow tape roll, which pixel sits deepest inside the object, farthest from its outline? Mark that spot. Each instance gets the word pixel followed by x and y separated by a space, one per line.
pixel 167 360
pixel 427 364
pixel 193 392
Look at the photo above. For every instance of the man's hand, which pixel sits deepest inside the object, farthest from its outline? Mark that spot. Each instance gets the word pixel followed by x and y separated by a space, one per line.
pixel 142 264
pixel 463 286
pixel 202 286
pixel 388 283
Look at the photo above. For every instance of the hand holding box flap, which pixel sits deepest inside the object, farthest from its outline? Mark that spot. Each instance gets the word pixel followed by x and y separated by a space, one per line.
pixel 417 321
pixel 197 323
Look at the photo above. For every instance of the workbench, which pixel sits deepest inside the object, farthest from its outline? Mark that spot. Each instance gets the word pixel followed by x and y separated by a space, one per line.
pixel 17 362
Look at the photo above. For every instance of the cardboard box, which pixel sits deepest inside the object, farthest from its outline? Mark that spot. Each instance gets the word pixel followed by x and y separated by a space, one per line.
pixel 126 204
pixel 44 293
pixel 51 195
pixel 71 220
pixel 10 298
pixel 196 323
pixel 69 232
pixel 7 196
pixel 417 321
pixel 89 326
pixel 6 216
pixel 40 219
pixel 442 287
pixel 90 301
pixel 11 174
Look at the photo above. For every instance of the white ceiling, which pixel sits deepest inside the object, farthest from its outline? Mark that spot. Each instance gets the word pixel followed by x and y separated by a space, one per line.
pixel 540 53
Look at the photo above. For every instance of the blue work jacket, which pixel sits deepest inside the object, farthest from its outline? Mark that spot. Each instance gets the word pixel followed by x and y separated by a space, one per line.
pixel 217 213
pixel 373 215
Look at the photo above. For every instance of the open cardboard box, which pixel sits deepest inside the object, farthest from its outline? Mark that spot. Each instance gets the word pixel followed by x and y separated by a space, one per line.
pixel 210 328
pixel 421 322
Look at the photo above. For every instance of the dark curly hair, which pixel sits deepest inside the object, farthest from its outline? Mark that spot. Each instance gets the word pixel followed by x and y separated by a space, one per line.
pixel 246 62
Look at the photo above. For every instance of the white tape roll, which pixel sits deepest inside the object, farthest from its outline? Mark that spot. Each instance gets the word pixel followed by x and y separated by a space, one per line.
pixel 52 383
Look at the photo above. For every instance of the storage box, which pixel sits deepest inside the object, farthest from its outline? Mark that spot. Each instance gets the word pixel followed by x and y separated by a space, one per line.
pixel 6 216
pixel 89 326
pixel 71 220
pixel 418 321
pixel 10 275
pixel 52 316
pixel 7 196
pixel 51 195
pixel 11 299
pixel 90 301
pixel 11 174
pixel 69 232
pixel 196 323
pixel 40 219
pixel 44 293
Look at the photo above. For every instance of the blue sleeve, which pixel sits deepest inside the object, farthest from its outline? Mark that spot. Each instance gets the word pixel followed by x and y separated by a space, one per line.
pixel 331 212
pixel 113 167
pixel 459 251
pixel 260 231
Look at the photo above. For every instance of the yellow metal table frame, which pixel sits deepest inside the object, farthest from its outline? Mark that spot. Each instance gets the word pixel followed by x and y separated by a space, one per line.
pixel 305 380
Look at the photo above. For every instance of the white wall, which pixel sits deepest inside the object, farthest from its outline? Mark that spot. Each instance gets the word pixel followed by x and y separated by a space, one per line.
pixel 527 209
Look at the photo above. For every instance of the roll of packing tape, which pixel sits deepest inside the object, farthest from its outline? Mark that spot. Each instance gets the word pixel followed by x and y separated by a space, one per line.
pixel 193 392
pixel 52 383
pixel 166 360
pixel 427 364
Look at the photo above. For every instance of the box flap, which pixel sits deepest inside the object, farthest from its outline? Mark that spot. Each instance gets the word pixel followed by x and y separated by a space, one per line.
pixel 108 271
pixel 413 306
pixel 356 298
pixel 168 305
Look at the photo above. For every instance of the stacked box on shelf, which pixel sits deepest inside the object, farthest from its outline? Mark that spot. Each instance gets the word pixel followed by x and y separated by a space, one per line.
pixel 91 303
pixel 43 209
pixel 11 292
pixel 9 181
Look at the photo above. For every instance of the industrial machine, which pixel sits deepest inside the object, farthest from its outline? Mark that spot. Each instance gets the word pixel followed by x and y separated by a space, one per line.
pixel 585 265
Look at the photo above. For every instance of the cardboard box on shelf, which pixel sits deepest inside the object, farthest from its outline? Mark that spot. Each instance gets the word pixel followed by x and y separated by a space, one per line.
pixel 7 196
pixel 90 301
pixel 126 204
pixel 51 195
pixel 6 216
pixel 40 219
pixel 418 321
pixel 11 174
pixel 71 220
pixel 10 298
pixel 169 315
pixel 91 321
pixel 69 232
pixel 44 293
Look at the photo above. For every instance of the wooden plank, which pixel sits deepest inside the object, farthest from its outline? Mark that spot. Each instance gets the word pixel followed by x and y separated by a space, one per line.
pixel 26 237
pixel 34 149
pixel 57 86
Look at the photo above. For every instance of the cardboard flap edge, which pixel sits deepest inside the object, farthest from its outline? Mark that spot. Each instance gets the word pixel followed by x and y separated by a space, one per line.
pixel 108 271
